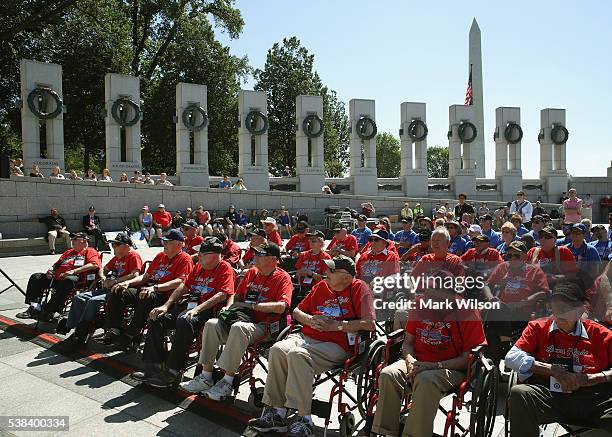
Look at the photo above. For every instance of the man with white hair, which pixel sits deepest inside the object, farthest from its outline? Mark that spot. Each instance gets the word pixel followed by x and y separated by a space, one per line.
pixel 439 258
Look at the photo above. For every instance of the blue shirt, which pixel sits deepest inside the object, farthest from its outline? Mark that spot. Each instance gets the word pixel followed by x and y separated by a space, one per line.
pixel 503 250
pixel 224 184
pixel 604 248
pixel 242 220
pixel 584 254
pixel 535 235
pixel 458 245
pixel 563 241
pixel 405 237
pixel 362 235
pixel 522 230
pixel 494 237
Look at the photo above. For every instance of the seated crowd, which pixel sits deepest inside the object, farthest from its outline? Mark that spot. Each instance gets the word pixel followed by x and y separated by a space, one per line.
pixel 552 328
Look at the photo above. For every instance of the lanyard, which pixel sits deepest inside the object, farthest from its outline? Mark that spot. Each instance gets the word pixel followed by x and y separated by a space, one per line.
pixel 310 259
pixel 350 298
pixel 578 338
pixel 262 285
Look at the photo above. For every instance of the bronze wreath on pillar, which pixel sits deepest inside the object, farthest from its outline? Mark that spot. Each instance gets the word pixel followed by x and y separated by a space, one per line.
pixel 559 135
pixel 509 133
pixel 250 122
pixel 38 96
pixel 362 128
pixel 309 123
pixel 462 134
pixel 189 117
pixel 413 128
pixel 119 111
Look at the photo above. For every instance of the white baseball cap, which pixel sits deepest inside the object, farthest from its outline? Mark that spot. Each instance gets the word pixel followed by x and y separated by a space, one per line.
pixel 270 220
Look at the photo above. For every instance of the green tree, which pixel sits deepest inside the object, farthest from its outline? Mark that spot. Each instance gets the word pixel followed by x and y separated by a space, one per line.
pixel 387 155
pixel 437 162
pixel 336 139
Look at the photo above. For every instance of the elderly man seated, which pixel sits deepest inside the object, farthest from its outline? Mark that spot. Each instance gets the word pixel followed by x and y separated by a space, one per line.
pixel 332 314
pixel 74 264
pixel 563 364
pixel 263 295
pixel 436 347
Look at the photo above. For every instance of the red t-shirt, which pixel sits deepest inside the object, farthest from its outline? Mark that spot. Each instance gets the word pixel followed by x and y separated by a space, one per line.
pixel 162 269
pixel 275 238
pixel 547 260
pixel 162 218
pixel 231 252
pixel 190 242
pixel 489 256
pixel 518 285
pixel 71 259
pixel 349 243
pixel 589 355
pixel 314 263
pixel 366 247
pixel 126 265
pixel 276 287
pixel 419 252
pixel 248 256
pixel 439 340
pixel 203 217
pixel 298 243
pixel 428 265
pixel 385 263
pixel 354 302
pixel 207 283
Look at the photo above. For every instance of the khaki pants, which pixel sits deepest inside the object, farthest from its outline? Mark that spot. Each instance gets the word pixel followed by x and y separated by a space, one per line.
pixel 240 336
pixel 292 366
pixel 429 387
pixel 586 213
pixel 52 236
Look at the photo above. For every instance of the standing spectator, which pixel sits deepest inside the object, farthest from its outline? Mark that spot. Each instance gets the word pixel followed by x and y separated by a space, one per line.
pixel 406 212
pixel 538 210
pixel 56 173
pixel 462 207
pixel 147 179
pixel 74 176
pixel 192 239
pixel 124 178
pixel 587 207
pixel 225 183
pixel 178 220
pixel 286 171
pixel 326 190
pixel 90 176
pixel 56 226
pixel 91 225
pixel 146 223
pixel 523 207
pixel 163 180
pixel 434 210
pixel 405 238
pixel 572 207
pixel 35 173
pixel 136 179
pixel 239 185
pixel 367 209
pixel 362 232
pixel 417 211
pixel 333 187
pixel 285 221
pixel 15 171
pixel 483 210
pixel 240 227
pixel 106 177
pixel 486 223
pixel 203 218
pixel 162 220
pixel 231 217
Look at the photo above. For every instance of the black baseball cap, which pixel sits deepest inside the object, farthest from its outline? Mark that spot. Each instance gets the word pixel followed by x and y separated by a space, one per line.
pixel 362 218
pixel 301 226
pixel 268 249
pixel 424 235
pixel 259 232
pixel 380 234
pixel 209 245
pixel 121 238
pixel 221 237
pixel 318 234
pixel 190 224
pixel 341 262
pixel 174 235
pixel 407 220
pixel 481 238
pixel 519 246
pixel 79 236
pixel 486 217
pixel 339 226
pixel 548 230
pixel 569 291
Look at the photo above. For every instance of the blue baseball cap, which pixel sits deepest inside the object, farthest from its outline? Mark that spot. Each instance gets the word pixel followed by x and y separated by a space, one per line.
pixel 579 227
pixel 380 233
pixel 174 235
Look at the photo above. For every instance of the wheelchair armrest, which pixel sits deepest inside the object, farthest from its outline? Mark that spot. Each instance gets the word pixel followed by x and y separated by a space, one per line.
pixel 476 351
pixel 538 297
pixel 396 335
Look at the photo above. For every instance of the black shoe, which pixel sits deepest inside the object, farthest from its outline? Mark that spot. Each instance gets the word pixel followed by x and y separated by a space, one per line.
pixel 70 344
pixel 124 342
pixel 45 316
pixel 61 327
pixel 30 313
pixel 164 379
pixel 270 421
pixel 149 371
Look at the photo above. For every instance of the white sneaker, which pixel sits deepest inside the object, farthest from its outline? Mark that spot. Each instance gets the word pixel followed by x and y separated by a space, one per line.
pixel 199 384
pixel 220 390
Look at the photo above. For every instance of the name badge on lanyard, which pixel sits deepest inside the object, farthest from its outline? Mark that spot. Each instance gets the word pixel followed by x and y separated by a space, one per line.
pixel 79 261
pixel 252 295
pixel 352 338
pixel 307 280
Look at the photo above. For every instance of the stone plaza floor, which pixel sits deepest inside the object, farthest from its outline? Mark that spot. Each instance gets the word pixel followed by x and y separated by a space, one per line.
pixel 95 391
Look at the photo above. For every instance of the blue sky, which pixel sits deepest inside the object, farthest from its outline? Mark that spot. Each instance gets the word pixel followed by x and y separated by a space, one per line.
pixel 536 54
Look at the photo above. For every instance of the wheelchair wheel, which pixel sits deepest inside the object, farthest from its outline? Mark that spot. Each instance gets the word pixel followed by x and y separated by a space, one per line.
pixel 484 403
pixel 347 424
pixel 365 378
pixel 512 381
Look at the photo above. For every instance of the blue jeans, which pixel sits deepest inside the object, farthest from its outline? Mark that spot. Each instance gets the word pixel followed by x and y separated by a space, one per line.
pixel 85 307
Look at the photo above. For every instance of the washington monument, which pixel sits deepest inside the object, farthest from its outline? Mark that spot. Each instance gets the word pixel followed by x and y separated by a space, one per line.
pixel 475 64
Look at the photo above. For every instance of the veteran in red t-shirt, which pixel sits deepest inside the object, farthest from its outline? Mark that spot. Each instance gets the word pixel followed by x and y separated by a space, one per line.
pixel 481 259
pixel 231 251
pixel 192 239
pixel 439 259
pixel 300 242
pixel 563 365
pixel 436 348
pixel 77 263
pixel 310 265
pixel 332 315
pixel 342 243
pixel 557 262
pixel 257 312
pixel 257 237
pixel 379 260
pixel 208 287
pixel 165 273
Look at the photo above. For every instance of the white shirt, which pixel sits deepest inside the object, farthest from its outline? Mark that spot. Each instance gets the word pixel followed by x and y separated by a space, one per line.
pixel 526 211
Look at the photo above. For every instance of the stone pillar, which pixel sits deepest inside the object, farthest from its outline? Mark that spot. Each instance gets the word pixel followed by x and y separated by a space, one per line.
pixel 508 135
pixel 414 164
pixel 553 136
pixel 461 163
pixel 41 90
pixel 477 149
pixel 192 119
pixel 253 139
pixel 362 116
pixel 122 93
pixel 310 166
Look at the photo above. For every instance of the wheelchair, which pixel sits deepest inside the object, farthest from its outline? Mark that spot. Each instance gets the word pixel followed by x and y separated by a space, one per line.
pixel 481 384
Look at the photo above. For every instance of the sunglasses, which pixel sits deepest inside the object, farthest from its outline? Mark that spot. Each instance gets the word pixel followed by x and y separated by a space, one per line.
pixel 507 232
pixel 547 237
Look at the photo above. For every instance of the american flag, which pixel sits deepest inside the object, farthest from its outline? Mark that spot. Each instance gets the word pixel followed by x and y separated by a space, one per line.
pixel 468 91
